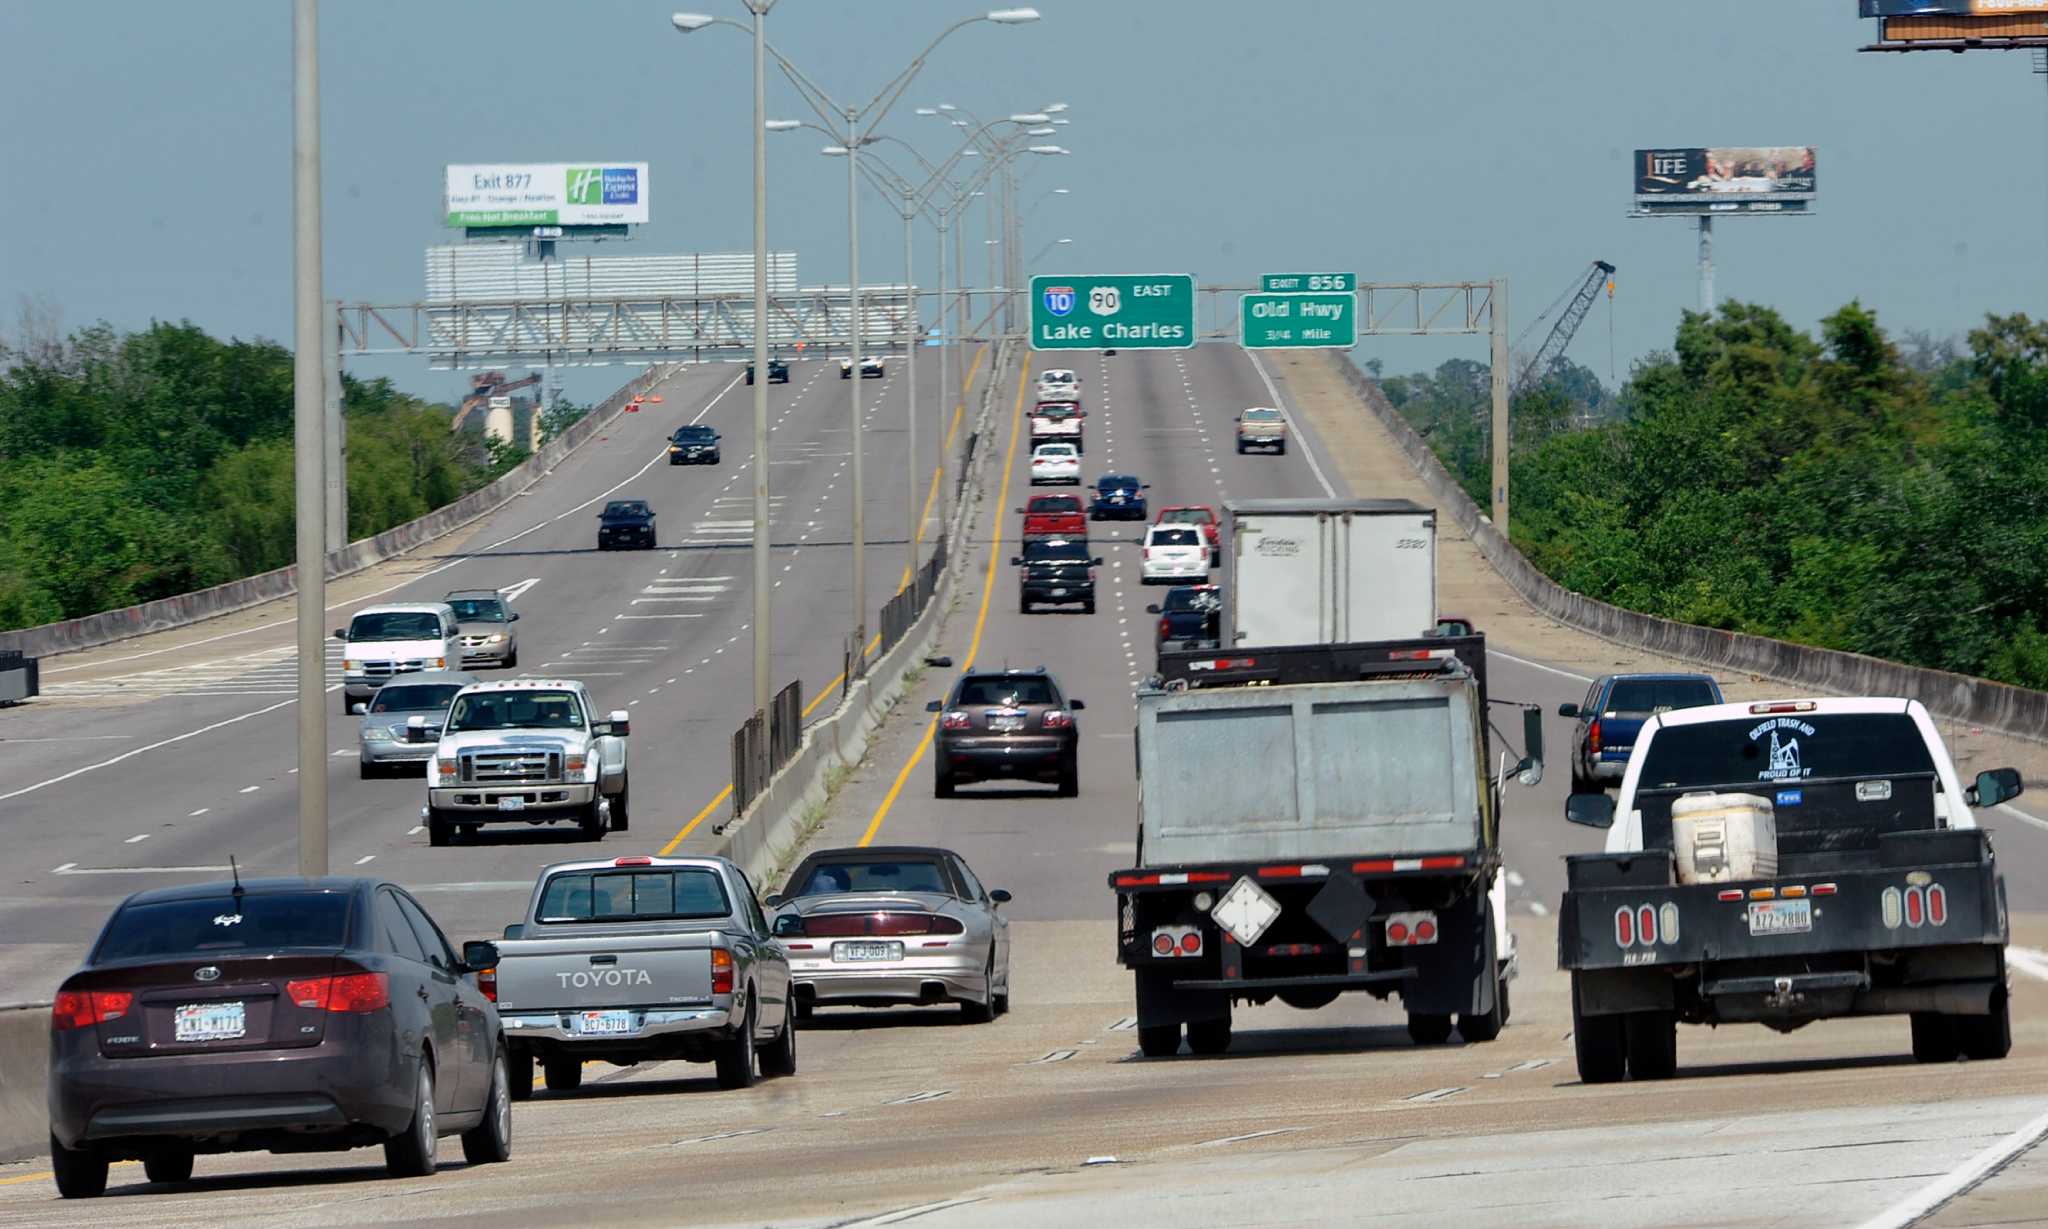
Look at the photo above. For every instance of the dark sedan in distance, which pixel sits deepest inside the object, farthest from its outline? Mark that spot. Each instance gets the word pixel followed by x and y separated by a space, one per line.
pixel 778 372
pixel 281 1015
pixel 695 444
pixel 1007 724
pixel 625 522
pixel 1118 497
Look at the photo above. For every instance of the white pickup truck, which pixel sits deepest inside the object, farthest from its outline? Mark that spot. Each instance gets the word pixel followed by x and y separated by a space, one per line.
pixel 525 751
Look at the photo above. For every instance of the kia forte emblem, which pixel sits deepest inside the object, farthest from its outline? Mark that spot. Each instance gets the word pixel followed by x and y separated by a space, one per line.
pixel 206 972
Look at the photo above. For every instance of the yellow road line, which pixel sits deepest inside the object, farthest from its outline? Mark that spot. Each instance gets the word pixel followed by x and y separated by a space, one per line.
pixel 988 588
pixel 690 827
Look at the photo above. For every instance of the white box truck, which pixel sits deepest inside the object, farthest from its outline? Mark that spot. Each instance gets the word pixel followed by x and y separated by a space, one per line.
pixel 1329 571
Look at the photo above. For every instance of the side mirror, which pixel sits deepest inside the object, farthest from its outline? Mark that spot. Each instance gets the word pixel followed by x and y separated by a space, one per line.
pixel 1144 486
pixel 788 926
pixel 1590 810
pixel 359 709
pixel 1530 770
pixel 1153 609
pixel 1077 705
pixel 341 633
pixel 1016 561
pixel 772 899
pixel 515 618
pixel 939 663
pixel 415 729
pixel 1096 561
pixel 1995 786
pixel 1567 710
pixel 1020 509
pixel 479 954
pixel 516 930
pixel 935 706
pixel 999 896
pixel 621 723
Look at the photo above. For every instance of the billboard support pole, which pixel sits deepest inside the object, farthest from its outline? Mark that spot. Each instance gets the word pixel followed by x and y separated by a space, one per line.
pixel 308 438
pixel 1498 315
pixel 1707 264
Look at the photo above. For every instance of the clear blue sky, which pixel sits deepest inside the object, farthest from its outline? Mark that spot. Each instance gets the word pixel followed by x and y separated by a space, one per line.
pixel 148 147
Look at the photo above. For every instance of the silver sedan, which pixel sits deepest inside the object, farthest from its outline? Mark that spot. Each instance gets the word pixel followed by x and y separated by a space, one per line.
pixel 383 741
pixel 886 926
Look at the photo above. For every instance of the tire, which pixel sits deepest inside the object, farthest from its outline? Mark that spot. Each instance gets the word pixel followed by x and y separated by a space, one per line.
pixel 1240 448
pixel 511 661
pixel 1488 1026
pixel 1023 605
pixel 1159 1040
pixel 1001 1000
pixel 564 1072
pixel 805 1012
pixel 490 1142
pixel 972 1012
pixel 1088 607
pixel 1652 1045
pixel 779 1059
pixel 81 1172
pixel 1934 1038
pixel 519 1074
pixel 1281 448
pixel 1216 558
pixel 1429 1028
pixel 413 1152
pixel 1599 1042
pixel 1990 1036
pixel 943 785
pixel 440 830
pixel 366 771
pixel 1070 776
pixel 736 1057
pixel 592 823
pixel 619 816
pixel 1209 1037
pixel 170 1166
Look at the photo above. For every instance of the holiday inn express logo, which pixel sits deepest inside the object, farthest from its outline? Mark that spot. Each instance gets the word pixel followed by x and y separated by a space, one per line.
pixel 606 185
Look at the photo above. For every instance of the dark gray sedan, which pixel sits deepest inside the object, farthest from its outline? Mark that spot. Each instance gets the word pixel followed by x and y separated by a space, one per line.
pixel 288 1015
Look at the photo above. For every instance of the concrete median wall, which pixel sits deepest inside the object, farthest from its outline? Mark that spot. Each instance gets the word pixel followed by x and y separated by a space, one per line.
pixel 773 827
pixel 1998 706
pixel 24 1081
pixel 164 614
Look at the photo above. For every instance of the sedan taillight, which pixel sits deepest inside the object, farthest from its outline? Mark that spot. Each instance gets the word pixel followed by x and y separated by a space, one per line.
pixel 346 992
pixel 84 1008
pixel 956 720
pixel 1058 719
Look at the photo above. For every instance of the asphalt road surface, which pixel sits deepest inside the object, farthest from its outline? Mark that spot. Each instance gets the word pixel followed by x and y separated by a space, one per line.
pixel 1049 1116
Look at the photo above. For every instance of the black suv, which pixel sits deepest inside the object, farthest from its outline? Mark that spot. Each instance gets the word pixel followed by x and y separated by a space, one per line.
pixel 1056 570
pixel 693 445
pixel 625 522
pixel 778 372
pixel 1013 724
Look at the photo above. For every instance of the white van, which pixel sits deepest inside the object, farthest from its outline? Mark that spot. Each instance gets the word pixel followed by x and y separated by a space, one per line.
pixel 395 638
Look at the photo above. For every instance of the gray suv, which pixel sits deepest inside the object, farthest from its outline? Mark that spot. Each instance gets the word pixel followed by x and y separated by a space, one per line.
pixel 484 623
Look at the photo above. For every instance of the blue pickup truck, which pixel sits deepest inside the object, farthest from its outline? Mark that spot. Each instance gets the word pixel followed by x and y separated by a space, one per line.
pixel 1613 712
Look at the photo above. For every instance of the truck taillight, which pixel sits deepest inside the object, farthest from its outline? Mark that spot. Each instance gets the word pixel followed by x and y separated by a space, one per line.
pixel 346 992
pixel 1177 941
pixel 487 981
pixel 1593 738
pixel 85 1008
pixel 1415 928
pixel 956 720
pixel 1058 719
pixel 1146 552
pixel 721 971
pixel 1165 628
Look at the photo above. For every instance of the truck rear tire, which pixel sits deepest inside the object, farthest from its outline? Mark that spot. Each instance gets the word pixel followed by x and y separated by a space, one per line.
pixel 1987 1037
pixel 1934 1038
pixel 1159 1040
pixel 1429 1028
pixel 735 1060
pixel 1209 1036
pixel 564 1072
pixel 1652 1044
pixel 1599 1042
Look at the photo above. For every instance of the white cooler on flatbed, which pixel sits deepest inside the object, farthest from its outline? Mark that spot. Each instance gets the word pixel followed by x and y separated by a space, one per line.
pixel 1724 838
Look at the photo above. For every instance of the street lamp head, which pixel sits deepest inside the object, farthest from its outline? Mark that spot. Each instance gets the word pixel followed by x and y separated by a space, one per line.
pixel 1063 122
pixel 1047 131
pixel 834 151
pixel 959 123
pixel 1056 108
pixel 1030 117
pixel 689 23
pixel 1012 17
pixel 782 125
pixel 970 153
pixel 1061 191
pixel 947 106
pixel 927 111
pixel 1045 149
pixel 1063 241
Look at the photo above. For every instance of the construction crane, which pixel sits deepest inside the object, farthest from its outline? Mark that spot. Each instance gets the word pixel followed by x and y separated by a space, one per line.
pixel 1567 324
pixel 484 386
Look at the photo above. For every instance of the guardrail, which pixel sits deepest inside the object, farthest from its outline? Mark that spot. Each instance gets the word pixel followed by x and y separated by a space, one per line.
pixel 763 744
pixel 2000 706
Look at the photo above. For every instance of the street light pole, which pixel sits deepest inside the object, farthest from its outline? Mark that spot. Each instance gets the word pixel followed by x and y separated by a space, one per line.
pixel 308 437
pixel 763 683
pixel 910 374
pixel 853 322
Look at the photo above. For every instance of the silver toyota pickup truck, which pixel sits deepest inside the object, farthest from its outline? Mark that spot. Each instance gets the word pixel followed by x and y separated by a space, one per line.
pixel 644 959
pixel 528 751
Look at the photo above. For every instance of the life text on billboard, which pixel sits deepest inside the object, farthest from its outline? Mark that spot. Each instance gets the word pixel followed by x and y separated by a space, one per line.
pixel 546 194
pixel 1726 172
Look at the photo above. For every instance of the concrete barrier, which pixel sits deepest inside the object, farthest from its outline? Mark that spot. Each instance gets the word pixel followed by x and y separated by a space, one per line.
pixel 24 1081
pixel 93 630
pixel 1999 706
pixel 773 826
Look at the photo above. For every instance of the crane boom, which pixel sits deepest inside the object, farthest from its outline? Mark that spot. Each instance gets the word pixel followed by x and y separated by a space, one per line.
pixel 1567 325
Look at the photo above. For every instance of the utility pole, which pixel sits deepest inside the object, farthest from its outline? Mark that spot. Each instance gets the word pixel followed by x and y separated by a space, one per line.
pixel 335 435
pixel 1497 314
pixel 309 436
pixel 763 686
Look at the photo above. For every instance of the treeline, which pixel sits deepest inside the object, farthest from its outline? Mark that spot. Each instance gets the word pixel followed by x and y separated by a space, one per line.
pixel 141 465
pixel 1843 491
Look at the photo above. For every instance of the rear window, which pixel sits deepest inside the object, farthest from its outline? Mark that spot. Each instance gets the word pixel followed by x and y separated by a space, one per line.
pixel 1262 416
pixel 1186 516
pixel 259 922
pixel 1111 482
pixel 1055 550
pixel 1009 691
pixel 1657 695
pixel 629 895
pixel 1785 747
pixel 395 625
pixel 1056 503
pixel 881 875
pixel 1176 537
pixel 1056 450
pixel 1186 599
pixel 416 699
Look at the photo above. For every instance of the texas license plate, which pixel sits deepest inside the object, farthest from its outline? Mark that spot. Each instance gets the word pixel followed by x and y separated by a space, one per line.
pixel 604 1023
pixel 1059 592
pixel 512 804
pixel 1780 917
pixel 867 951
pixel 1003 724
pixel 209 1022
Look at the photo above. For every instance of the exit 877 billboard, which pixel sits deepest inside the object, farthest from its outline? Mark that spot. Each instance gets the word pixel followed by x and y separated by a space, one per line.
pixel 546 194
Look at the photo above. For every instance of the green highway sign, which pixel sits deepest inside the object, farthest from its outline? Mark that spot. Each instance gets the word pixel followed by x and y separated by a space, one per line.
pixel 1298 321
pixel 1113 312
pixel 1297 283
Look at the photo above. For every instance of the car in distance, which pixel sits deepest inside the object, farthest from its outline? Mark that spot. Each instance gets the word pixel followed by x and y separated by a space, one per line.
pixel 1055 463
pixel 624 523
pixel 1202 517
pixel 1612 714
pixel 1059 384
pixel 886 925
pixel 484 621
pixel 1007 725
pixel 1190 617
pixel 1171 553
pixel 644 959
pixel 1119 497
pixel 392 639
pixel 870 368
pixel 1057 420
pixel 695 444
pixel 778 372
pixel 1053 516
pixel 385 738
pixel 1056 571
pixel 1262 427
pixel 530 751
pixel 283 1015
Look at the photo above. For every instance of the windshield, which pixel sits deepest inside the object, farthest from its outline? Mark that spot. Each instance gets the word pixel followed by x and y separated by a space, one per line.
pixel 626 511
pixel 1176 537
pixel 1183 599
pixel 259 922
pixel 1784 747
pixel 1008 691
pixel 478 609
pixel 422 698
pixel 1657 695
pixel 1056 503
pixel 515 710
pixel 694 435
pixel 629 895
pixel 397 625
pixel 878 876
pixel 1056 551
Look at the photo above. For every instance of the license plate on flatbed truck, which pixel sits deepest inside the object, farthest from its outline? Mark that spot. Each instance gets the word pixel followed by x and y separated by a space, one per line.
pixel 1780 917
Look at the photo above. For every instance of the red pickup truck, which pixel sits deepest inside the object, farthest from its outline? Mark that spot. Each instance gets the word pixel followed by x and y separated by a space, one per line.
pixel 1055 516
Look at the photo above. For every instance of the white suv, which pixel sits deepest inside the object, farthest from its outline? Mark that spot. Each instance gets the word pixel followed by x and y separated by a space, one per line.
pixel 395 638
pixel 1174 553
pixel 1059 384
